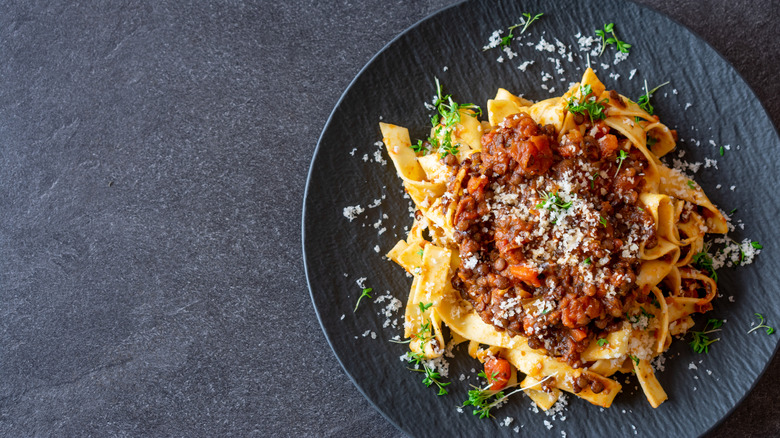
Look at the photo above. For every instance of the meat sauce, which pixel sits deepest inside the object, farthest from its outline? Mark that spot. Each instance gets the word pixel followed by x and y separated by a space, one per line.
pixel 549 232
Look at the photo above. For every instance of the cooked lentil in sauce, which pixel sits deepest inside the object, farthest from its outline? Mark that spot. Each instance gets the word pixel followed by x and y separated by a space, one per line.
pixel 549 232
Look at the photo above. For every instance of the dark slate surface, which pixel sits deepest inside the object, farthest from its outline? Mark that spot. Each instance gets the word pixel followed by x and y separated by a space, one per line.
pixel 153 163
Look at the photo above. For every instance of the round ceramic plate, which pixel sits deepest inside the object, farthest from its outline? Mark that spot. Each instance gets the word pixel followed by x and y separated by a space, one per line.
pixel 707 102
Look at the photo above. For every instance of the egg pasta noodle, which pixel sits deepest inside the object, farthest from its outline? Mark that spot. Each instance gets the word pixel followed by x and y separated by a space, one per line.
pixel 498 246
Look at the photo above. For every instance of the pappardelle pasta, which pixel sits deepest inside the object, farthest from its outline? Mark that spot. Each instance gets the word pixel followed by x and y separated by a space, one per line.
pixel 552 240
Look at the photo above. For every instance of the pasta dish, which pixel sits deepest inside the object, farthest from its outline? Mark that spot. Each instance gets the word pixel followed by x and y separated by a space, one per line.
pixel 552 240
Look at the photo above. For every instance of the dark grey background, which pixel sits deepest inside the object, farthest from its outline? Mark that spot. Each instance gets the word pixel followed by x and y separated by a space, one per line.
pixel 152 168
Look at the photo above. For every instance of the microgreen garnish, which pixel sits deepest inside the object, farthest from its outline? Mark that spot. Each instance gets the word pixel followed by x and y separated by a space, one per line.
pixel 703 260
pixel 701 341
pixel 431 376
pixel 593 179
pixel 644 100
pixel 637 318
pixel 480 398
pixel 622 155
pixel 603 221
pixel 691 184
pixel 365 293
pixel 602 342
pixel 589 105
pixel 528 19
pixel 507 40
pixel 769 330
pixel 420 252
pixel 756 245
pixel 610 28
pixel 444 121
pixel 552 202
pixel 586 261
pixel 424 307
pixel 420 147
pixel 424 328
pixel 634 358
pixel 734 210
pixel 651 141
pixel 722 151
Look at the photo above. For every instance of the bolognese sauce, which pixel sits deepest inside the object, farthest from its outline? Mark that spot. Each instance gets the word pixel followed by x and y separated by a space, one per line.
pixel 549 232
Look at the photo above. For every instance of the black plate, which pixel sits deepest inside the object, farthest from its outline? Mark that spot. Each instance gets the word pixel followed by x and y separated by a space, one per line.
pixel 705 100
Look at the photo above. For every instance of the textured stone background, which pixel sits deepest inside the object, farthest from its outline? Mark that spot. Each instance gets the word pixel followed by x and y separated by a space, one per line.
pixel 153 162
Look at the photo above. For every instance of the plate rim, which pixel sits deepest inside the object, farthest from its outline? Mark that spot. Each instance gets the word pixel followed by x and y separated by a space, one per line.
pixel 329 121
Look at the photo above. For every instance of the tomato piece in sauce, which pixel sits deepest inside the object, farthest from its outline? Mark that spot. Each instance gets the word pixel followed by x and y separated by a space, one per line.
pixel 498 372
pixel 526 274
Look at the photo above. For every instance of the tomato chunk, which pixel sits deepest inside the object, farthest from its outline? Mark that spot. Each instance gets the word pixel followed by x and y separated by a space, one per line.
pixel 526 274
pixel 476 184
pixel 498 372
pixel 608 144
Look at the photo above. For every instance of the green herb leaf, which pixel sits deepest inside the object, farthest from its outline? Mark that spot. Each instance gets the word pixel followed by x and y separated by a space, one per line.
pixel 420 147
pixel 602 33
pixel 761 325
pixel 365 293
pixel 529 19
pixel 651 141
pixel 484 399
pixel 552 202
pixel 431 376
pixel 602 342
pixel 701 341
pixel 622 155
pixel 587 104
pixel 593 179
pixel 644 100
pixel 445 120
pixel 703 261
